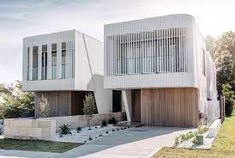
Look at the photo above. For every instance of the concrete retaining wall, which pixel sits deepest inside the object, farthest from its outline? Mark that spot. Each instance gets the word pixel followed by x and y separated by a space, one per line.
pixel 40 129
pixel 81 120
pixel 45 128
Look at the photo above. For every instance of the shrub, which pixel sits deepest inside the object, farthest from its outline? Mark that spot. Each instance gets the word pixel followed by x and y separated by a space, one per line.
pixel 112 121
pixel 113 130
pixel 43 107
pixel 90 138
pixel 78 129
pixel 89 107
pixel 229 98
pixel 103 123
pixel 100 135
pixel 65 129
pixel 107 132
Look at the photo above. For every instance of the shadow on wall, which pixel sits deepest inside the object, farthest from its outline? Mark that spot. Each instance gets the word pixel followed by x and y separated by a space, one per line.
pixel 103 96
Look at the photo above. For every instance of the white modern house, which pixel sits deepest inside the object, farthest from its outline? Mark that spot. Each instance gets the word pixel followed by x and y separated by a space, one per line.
pixel 166 76
pixel 63 67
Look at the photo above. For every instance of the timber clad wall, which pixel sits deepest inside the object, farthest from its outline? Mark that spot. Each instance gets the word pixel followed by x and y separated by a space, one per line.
pixel 170 107
pixel 62 103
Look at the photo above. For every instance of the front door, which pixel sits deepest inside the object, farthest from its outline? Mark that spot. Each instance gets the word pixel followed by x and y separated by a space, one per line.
pixel 135 102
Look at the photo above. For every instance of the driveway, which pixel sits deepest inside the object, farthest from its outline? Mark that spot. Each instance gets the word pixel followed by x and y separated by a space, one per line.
pixel 139 142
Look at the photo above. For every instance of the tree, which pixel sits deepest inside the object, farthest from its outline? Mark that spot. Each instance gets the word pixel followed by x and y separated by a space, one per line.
pixel 223 53
pixel 89 107
pixel 15 103
pixel 43 107
pixel 229 99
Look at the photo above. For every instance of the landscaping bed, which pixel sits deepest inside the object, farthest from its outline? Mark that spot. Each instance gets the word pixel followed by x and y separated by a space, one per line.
pixel 223 146
pixel 86 135
pixel 36 145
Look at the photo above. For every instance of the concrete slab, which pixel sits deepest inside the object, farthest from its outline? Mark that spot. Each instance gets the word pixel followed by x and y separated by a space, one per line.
pixel 139 142
pixel 25 154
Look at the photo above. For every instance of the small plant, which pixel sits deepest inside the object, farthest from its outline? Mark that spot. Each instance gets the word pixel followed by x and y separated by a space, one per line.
pixel 100 135
pixel 90 138
pixel 113 130
pixel 112 121
pixel 84 141
pixel 95 127
pixel 78 129
pixel 107 132
pixel 89 107
pixel 118 129
pixel 195 141
pixel 177 141
pixel 103 123
pixel 65 129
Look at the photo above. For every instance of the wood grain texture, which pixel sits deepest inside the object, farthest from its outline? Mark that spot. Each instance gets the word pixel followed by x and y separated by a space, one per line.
pixel 170 107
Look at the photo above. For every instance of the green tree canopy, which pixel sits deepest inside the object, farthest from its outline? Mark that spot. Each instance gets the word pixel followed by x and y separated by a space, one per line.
pixel 15 103
pixel 223 53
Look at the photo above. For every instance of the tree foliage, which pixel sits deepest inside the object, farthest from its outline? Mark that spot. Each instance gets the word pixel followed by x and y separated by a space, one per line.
pixel 15 103
pixel 43 107
pixel 229 99
pixel 223 53
pixel 89 107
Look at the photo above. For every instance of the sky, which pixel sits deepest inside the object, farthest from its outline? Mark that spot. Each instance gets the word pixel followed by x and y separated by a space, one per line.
pixel 21 18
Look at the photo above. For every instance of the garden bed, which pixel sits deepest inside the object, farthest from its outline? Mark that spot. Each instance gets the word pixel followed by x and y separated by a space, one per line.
pixel 85 135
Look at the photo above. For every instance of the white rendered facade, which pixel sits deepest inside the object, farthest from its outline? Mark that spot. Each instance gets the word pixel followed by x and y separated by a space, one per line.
pixel 65 61
pixel 159 52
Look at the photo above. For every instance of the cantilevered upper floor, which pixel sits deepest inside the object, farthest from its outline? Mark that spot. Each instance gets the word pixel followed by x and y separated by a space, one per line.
pixel 61 61
pixel 158 52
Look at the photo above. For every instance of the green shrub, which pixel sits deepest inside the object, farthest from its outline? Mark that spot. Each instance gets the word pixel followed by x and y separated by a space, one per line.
pixel 103 123
pixel 112 121
pixel 78 129
pixel 65 129
pixel 229 99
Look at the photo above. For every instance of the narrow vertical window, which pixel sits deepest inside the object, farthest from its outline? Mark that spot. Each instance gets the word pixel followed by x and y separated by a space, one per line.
pixel 63 60
pixel 203 63
pixel 35 63
pixel 44 62
pixel 28 57
pixel 54 59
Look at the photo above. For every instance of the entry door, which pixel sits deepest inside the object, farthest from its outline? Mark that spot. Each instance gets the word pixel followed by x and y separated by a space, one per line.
pixel 135 102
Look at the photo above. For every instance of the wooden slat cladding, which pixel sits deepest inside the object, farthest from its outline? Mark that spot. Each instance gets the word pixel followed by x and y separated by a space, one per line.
pixel 170 107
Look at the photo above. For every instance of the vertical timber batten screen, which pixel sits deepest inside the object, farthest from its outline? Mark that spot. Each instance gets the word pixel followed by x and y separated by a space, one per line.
pixel 156 51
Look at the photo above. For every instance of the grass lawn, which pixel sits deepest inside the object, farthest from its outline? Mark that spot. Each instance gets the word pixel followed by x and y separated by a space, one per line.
pixel 223 146
pixel 36 145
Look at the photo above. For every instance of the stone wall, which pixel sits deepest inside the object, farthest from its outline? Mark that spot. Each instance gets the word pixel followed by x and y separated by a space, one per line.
pixel 81 120
pixel 39 129
pixel 45 128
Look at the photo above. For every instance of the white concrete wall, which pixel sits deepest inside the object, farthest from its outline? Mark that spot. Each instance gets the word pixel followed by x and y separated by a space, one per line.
pixel 47 39
pixel 88 66
pixel 89 75
pixel 124 32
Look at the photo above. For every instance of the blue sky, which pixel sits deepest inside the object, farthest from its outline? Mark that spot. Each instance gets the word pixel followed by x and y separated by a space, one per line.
pixel 20 18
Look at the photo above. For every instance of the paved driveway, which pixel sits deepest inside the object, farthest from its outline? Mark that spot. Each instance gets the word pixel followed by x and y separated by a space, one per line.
pixel 139 142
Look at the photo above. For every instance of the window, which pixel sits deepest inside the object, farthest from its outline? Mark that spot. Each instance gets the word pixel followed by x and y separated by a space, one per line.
pixel 35 63
pixel 203 63
pixel 54 60
pixel 28 57
pixel 63 59
pixel 44 62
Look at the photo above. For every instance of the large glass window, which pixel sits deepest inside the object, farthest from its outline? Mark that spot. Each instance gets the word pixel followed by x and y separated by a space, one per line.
pixel 63 59
pixel 35 63
pixel 54 59
pixel 44 62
